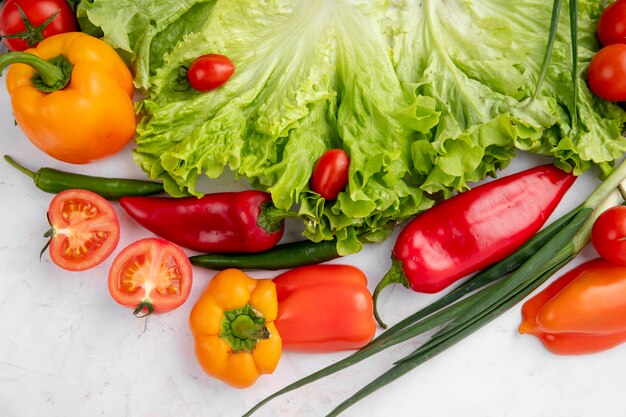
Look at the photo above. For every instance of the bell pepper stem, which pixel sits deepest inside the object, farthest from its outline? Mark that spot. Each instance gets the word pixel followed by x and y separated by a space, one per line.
pixel 395 275
pixel 271 218
pixel 54 75
pixel 244 327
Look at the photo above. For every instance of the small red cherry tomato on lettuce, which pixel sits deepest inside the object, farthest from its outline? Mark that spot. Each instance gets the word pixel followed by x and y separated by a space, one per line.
pixel 41 19
pixel 607 73
pixel 330 174
pixel 151 275
pixel 608 235
pixel 210 71
pixel 85 229
pixel 612 24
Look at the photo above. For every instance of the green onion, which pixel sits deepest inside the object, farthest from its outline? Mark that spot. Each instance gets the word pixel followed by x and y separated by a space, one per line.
pixel 463 311
pixel 547 56
pixel 573 21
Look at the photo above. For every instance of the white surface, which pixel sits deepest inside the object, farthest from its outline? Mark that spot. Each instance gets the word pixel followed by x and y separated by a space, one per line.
pixel 67 349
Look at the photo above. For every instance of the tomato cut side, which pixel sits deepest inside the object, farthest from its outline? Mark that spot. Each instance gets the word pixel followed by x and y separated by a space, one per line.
pixel 151 275
pixel 85 229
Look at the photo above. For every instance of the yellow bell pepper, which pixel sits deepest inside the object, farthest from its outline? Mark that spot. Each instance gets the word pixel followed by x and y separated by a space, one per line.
pixel 233 327
pixel 72 97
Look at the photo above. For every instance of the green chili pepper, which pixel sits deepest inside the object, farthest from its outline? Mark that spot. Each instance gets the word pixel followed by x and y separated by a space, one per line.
pixel 55 181
pixel 285 256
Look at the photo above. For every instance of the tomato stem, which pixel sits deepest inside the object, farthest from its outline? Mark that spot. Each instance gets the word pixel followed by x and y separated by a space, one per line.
pixel 33 34
pixel 49 234
pixel 147 304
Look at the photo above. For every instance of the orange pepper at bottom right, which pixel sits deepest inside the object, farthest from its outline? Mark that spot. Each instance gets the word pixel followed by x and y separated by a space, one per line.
pixel 583 311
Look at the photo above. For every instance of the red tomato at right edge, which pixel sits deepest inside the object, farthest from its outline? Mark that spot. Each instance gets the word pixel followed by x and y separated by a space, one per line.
pixel 608 235
pixel 612 24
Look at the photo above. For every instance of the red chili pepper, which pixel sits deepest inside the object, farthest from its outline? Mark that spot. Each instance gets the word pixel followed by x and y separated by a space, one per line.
pixel 581 312
pixel 243 221
pixel 474 229
pixel 324 308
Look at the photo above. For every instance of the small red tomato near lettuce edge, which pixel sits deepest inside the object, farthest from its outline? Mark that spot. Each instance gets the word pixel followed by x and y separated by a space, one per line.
pixel 85 229
pixel 41 19
pixel 210 71
pixel 608 235
pixel 330 174
pixel 151 275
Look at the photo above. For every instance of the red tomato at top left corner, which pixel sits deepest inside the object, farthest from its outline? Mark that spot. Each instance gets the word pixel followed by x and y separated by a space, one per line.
pixel 37 12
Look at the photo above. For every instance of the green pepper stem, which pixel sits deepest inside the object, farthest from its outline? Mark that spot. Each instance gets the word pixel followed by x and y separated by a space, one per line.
pixel 50 73
pixel 19 167
pixel 271 219
pixel 276 214
pixel 395 275
pixel 244 327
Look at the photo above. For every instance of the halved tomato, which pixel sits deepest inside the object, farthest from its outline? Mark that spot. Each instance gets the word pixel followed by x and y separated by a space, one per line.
pixel 151 275
pixel 85 229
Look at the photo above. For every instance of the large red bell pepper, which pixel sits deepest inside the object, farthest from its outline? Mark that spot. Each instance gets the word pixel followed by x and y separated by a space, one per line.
pixel 245 221
pixel 324 308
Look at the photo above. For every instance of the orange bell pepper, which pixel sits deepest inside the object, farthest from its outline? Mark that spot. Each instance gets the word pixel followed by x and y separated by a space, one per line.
pixel 584 311
pixel 72 97
pixel 232 323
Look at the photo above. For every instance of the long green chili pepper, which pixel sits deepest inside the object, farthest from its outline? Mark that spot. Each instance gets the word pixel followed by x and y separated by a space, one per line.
pixel 54 181
pixel 470 313
pixel 284 256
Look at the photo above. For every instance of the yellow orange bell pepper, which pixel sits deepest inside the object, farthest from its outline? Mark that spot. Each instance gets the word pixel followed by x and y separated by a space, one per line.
pixel 233 327
pixel 72 97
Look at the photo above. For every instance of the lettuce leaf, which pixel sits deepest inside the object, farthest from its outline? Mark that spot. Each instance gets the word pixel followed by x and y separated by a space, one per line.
pixel 426 97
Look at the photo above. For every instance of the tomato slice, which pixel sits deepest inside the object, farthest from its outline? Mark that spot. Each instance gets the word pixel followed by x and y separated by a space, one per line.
pixel 85 229
pixel 151 275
